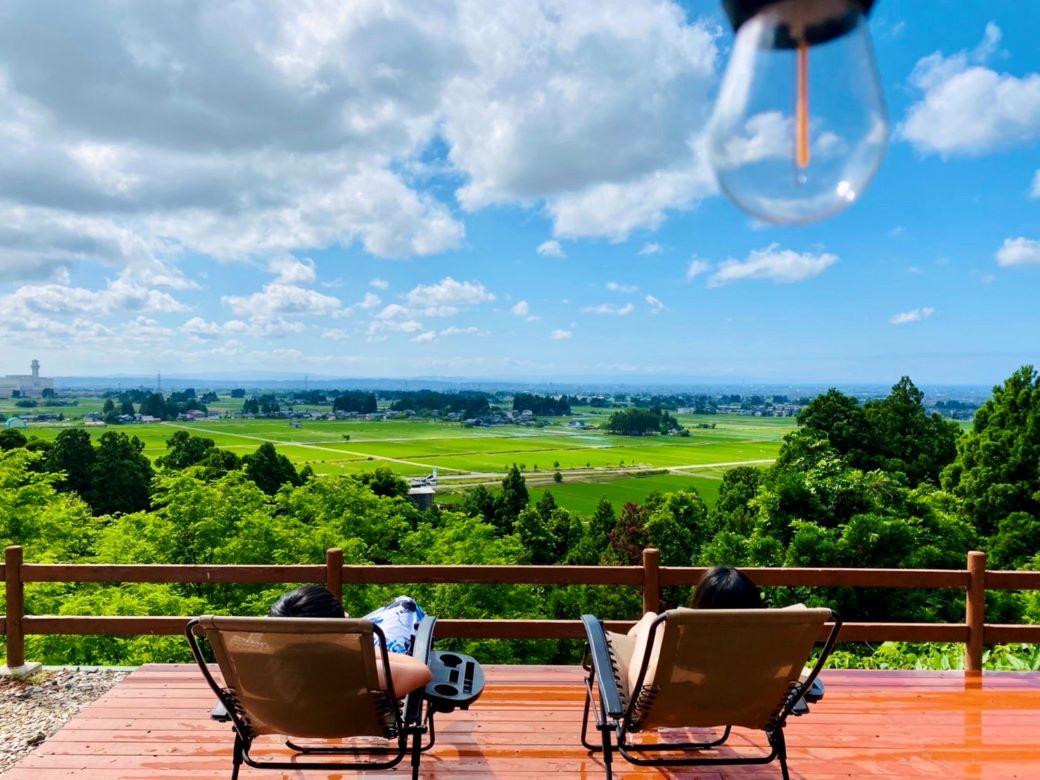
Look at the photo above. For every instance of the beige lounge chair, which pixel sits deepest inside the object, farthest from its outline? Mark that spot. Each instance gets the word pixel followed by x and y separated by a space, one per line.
pixel 316 678
pixel 709 668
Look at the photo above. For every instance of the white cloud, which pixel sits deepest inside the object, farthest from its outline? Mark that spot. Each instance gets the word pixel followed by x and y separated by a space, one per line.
pixel 334 334
pixel 615 210
pixel 393 326
pixel 621 288
pixel 453 331
pixel 781 265
pixel 119 295
pixel 283 299
pixel 520 309
pixel 561 335
pixel 651 248
pixel 914 315
pixel 425 338
pixel 1018 251
pixel 697 267
pixel 379 284
pixel 610 308
pixel 292 271
pixel 1035 193
pixel 656 307
pixel 370 301
pixel 967 108
pixel 444 298
pixel 551 249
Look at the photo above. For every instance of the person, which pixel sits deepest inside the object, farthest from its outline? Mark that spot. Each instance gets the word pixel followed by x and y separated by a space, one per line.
pixel 725 588
pixel 399 620
pixel 718 588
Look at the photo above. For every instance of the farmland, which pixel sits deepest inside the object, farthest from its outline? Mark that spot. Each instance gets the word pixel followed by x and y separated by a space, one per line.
pixel 592 464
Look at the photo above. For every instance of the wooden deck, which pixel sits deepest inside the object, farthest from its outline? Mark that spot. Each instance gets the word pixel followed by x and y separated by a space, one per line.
pixel 155 724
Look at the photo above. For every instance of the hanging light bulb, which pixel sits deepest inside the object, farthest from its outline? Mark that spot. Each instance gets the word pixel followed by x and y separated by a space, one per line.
pixel 799 127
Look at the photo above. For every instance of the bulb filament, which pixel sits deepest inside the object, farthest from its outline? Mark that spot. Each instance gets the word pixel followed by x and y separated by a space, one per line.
pixel 801 118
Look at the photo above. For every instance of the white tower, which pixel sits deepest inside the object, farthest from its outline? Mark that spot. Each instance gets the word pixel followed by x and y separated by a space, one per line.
pixel 35 369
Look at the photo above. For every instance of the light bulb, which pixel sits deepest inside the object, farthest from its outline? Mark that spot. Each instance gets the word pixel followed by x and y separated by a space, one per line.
pixel 799 127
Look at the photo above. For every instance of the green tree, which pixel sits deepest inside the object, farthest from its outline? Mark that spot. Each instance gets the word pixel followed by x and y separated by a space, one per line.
pixel 121 476
pixel 185 450
pixel 72 455
pixel 384 482
pixel 733 507
pixel 269 469
pixel 995 473
pixel 629 537
pixel 478 502
pixel 511 501
pixel 11 439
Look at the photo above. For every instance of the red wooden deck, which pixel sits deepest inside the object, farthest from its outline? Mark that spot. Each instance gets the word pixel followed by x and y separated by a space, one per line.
pixel 155 724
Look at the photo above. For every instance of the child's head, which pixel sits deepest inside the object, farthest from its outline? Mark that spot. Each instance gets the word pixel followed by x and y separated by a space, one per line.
pixel 725 588
pixel 310 601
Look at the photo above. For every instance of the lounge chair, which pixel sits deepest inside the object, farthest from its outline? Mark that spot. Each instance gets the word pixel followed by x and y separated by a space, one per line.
pixel 701 669
pixel 316 679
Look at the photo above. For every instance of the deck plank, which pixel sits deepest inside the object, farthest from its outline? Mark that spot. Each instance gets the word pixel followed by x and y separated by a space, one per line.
pixel 155 724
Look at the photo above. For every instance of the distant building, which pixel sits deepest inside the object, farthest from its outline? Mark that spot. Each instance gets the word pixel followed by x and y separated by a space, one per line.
pixel 27 385
pixel 16 422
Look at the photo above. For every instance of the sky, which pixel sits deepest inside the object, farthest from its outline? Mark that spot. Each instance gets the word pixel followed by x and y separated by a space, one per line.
pixel 497 191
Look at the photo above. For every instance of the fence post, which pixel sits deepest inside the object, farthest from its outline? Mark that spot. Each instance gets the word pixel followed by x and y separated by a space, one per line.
pixel 651 580
pixel 15 607
pixel 334 571
pixel 975 611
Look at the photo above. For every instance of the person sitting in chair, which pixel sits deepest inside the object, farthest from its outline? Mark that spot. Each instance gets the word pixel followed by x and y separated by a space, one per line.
pixel 398 619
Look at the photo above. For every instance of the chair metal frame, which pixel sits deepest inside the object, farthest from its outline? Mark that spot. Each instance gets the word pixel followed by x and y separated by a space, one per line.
pixel 615 720
pixel 410 724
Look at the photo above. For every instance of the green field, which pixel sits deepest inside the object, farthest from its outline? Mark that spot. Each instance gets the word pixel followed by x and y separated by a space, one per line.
pixel 593 464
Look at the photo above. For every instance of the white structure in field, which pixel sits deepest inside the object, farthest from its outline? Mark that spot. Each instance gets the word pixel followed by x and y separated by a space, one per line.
pixel 27 385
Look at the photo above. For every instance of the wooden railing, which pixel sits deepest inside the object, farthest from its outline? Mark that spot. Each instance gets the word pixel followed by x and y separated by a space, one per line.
pixel 651 577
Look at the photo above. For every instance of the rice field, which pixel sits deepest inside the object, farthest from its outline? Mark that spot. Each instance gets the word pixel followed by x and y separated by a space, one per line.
pixel 593 464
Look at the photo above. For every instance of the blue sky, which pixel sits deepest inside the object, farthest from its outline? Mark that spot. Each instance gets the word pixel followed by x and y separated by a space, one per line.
pixel 506 190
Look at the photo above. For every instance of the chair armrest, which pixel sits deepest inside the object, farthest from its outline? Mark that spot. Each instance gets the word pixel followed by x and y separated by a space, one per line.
pixel 421 649
pixel 603 666
pixel 809 688
pixel 423 644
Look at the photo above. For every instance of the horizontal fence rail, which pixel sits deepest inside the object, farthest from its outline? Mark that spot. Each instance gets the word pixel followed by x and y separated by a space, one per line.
pixel 651 577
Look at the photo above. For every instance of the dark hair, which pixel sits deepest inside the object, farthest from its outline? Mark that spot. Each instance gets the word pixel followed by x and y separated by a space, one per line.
pixel 310 601
pixel 725 588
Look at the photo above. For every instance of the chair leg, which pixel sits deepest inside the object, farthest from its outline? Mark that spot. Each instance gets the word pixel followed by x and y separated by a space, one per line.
pixel 236 758
pixel 781 753
pixel 607 752
pixel 416 753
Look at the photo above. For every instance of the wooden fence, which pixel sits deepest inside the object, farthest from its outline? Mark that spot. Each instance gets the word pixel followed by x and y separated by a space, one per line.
pixel 651 577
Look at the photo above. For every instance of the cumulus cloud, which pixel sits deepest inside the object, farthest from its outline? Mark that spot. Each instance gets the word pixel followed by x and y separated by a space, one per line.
pixel 621 288
pixel 446 297
pixel 370 301
pixel 780 265
pixel 335 334
pixel 292 271
pixel 914 315
pixel 425 338
pixel 119 295
pixel 561 335
pixel 551 249
pixel 256 131
pixel 610 308
pixel 1018 251
pixel 379 284
pixel 968 108
pixel 276 299
pixel 453 331
pixel 520 309
pixel 651 248
pixel 696 268
pixel 656 307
